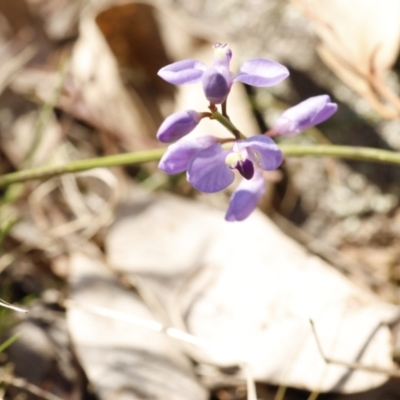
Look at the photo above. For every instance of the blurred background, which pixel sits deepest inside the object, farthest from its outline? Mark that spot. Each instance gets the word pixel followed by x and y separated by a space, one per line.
pixel 83 252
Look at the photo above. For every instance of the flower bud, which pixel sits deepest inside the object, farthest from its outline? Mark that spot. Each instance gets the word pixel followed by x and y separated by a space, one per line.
pixel 222 55
pixel 215 86
pixel 177 125
pixel 304 115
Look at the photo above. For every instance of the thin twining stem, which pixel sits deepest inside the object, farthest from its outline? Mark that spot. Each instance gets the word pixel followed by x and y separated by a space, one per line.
pixel 138 157
pixel 351 365
pixel 50 171
pixel 226 122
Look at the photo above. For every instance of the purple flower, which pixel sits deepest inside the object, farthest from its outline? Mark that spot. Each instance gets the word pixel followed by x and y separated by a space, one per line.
pixel 218 79
pixel 304 115
pixel 210 162
pixel 177 125
pixel 245 198
pixel 211 169
pixel 178 155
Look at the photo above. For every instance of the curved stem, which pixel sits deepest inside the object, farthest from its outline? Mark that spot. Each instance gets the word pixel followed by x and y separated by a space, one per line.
pixel 227 124
pixel 224 109
pixel 50 171
pixel 138 157
pixel 348 152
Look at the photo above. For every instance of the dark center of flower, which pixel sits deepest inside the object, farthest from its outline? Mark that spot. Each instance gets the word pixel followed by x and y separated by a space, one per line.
pixel 246 168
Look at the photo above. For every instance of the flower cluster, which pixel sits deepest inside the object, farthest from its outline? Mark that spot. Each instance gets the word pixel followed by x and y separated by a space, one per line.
pixel 210 162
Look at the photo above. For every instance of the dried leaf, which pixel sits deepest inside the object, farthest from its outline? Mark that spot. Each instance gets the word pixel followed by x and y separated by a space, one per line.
pixel 251 290
pixel 94 91
pixel 360 43
pixel 121 360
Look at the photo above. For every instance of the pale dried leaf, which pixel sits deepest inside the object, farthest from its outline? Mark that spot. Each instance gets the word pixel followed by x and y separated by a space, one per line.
pixel 122 361
pixel 354 80
pixel 251 290
pixel 360 43
pixel 96 93
pixel 87 209
pixel 366 33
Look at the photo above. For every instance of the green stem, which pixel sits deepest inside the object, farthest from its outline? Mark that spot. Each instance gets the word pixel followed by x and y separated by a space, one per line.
pixel 138 157
pixel 9 342
pixel 227 124
pixel 50 171
pixel 348 152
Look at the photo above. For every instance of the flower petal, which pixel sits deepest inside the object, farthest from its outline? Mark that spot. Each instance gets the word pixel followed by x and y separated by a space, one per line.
pixel 246 168
pixel 180 72
pixel 222 55
pixel 302 116
pixel 261 72
pixel 245 198
pixel 263 151
pixel 325 112
pixel 216 87
pixel 178 155
pixel 207 170
pixel 177 125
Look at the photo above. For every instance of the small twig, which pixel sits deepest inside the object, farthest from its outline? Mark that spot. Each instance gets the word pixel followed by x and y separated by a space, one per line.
pixel 351 365
pixel 314 395
pixel 250 383
pixel 143 323
pixel 280 393
pixel 29 387
pixel 4 304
